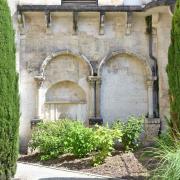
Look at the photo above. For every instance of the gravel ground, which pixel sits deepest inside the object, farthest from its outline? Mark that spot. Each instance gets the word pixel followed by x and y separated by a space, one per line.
pixel 119 165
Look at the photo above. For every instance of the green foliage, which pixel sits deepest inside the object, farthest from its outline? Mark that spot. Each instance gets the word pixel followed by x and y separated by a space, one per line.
pixel 173 71
pixel 131 131
pixel 104 139
pixel 168 154
pixel 49 137
pixel 52 139
pixel 79 140
pixel 9 99
pixel 64 136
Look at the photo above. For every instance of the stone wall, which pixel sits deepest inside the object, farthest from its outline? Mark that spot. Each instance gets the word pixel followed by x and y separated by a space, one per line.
pixel 61 59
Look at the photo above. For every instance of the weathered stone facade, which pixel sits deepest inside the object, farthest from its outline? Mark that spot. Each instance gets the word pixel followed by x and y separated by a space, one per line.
pixel 92 64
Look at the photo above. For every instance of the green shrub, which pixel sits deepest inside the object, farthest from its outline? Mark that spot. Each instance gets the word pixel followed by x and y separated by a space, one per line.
pixel 131 131
pixel 49 138
pixel 52 139
pixel 168 154
pixel 104 139
pixel 79 140
pixel 9 98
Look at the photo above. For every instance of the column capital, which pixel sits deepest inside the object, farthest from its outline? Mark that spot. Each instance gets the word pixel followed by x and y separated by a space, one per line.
pixel 39 79
pixel 93 79
pixel 149 82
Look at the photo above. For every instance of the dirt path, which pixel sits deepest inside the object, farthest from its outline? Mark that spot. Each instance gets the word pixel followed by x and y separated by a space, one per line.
pixel 120 165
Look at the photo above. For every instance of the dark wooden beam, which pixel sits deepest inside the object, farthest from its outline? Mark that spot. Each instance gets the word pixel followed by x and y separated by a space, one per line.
pixel 94 8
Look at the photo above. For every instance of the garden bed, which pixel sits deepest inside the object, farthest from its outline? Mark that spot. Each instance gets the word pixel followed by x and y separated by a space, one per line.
pixel 119 165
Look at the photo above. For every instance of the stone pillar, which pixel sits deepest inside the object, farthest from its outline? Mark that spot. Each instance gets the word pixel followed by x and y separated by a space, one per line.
pixel 95 82
pixel 150 98
pixel 39 101
pixel 91 99
pixel 98 96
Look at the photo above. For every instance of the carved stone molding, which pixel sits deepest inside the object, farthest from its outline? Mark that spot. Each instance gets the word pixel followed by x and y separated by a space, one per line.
pixel 128 23
pixel 39 79
pixel 93 79
pixel 149 83
pixel 21 19
pixel 146 61
pixel 75 22
pixel 48 19
pixel 63 52
pixel 101 24
pixel 155 19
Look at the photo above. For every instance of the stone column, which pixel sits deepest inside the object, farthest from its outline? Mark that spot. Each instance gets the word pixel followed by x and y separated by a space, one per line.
pixel 98 96
pixel 95 81
pixel 150 98
pixel 91 98
pixel 39 101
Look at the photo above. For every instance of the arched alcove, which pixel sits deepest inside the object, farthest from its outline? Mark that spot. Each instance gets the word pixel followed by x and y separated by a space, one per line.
pixel 65 53
pixel 66 99
pixel 72 71
pixel 124 90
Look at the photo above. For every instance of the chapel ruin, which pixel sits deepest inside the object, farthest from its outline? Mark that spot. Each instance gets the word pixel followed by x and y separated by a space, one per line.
pixel 92 60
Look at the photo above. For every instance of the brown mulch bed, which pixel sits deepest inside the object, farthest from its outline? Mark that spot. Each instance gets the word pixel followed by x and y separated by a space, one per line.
pixel 120 165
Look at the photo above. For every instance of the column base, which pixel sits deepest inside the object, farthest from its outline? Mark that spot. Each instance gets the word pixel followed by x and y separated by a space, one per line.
pixel 95 120
pixel 35 121
pixel 151 131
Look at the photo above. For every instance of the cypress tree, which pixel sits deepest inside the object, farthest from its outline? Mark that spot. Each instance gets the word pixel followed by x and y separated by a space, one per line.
pixel 9 99
pixel 173 70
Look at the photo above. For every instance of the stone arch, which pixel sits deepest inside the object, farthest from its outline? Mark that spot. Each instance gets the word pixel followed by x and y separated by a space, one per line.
pixel 127 81
pixel 65 99
pixel 76 93
pixel 64 52
pixel 144 60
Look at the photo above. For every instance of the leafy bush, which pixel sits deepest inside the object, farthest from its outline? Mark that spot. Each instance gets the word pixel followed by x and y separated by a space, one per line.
pixel 168 154
pixel 49 138
pixel 52 139
pixel 104 139
pixel 79 140
pixel 131 131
